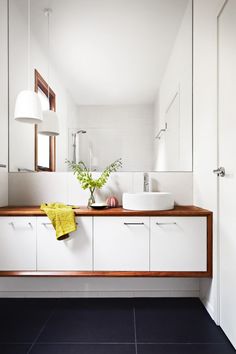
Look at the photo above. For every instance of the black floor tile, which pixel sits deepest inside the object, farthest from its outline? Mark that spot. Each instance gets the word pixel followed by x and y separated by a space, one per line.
pixel 83 349
pixel 175 320
pixel 212 348
pixel 91 320
pixel 21 319
pixel 14 348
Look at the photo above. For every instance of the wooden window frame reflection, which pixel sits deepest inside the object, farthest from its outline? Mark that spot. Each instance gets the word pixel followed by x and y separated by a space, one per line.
pixel 40 83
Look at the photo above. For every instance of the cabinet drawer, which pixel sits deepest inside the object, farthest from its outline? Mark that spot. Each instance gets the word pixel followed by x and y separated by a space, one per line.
pixel 178 244
pixel 74 253
pixel 121 243
pixel 18 243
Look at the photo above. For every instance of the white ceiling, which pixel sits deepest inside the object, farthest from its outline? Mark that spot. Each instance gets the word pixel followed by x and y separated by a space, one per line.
pixel 110 51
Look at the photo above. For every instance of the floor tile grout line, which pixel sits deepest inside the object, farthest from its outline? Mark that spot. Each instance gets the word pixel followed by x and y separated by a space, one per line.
pixel 114 343
pixel 181 343
pixel 135 331
pixel 131 343
pixel 42 328
pixel 86 343
pixel 15 343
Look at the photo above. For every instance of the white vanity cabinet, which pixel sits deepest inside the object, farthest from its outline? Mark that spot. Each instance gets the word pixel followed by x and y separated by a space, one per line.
pixel 72 254
pixel 114 242
pixel 121 243
pixel 18 244
pixel 178 244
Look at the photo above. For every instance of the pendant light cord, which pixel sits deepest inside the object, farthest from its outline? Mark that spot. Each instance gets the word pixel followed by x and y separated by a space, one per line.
pixel 29 39
pixel 48 15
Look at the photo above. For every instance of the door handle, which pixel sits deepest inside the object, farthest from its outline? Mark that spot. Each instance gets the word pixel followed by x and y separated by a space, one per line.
pixel 133 223
pixel 220 172
pixel 3 165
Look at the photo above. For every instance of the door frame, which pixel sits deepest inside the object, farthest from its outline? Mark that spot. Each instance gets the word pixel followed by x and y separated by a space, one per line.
pixel 218 270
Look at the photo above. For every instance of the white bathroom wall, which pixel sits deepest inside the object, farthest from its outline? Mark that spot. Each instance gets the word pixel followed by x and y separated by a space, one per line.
pixel 175 92
pixel 22 135
pixel 3 104
pixel 35 188
pixel 115 131
pixel 98 287
pixel 205 129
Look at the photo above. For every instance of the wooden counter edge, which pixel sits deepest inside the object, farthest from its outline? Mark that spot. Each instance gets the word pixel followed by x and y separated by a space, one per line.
pixel 83 211
pixel 111 274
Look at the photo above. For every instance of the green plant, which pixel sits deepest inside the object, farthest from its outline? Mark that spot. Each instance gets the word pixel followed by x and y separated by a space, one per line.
pixel 84 176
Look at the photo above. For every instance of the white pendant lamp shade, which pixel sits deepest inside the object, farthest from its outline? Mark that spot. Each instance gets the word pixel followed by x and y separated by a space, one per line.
pixel 50 124
pixel 28 107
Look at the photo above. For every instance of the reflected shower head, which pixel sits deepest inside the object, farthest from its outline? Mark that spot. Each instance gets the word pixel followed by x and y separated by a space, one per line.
pixel 81 132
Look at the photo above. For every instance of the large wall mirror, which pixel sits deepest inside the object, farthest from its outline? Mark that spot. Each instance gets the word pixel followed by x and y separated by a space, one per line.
pixel 120 81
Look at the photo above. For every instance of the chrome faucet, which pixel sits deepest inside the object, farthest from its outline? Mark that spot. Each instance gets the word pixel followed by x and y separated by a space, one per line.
pixel 146 184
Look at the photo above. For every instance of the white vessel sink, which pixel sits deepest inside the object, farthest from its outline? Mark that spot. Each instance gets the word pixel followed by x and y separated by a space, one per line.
pixel 148 201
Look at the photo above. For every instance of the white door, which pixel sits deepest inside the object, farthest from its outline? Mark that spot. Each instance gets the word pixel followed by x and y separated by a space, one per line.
pixel 73 253
pixel 18 243
pixel 121 244
pixel 227 159
pixel 178 244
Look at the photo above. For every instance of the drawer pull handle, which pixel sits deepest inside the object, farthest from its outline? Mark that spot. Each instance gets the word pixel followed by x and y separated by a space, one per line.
pixel 3 165
pixel 133 223
pixel 49 223
pixel 13 225
pixel 166 223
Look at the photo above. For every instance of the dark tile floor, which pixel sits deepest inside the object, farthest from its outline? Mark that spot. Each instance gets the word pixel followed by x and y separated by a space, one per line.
pixel 109 326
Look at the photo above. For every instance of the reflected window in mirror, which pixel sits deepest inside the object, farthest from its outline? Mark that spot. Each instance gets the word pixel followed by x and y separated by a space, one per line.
pixel 45 146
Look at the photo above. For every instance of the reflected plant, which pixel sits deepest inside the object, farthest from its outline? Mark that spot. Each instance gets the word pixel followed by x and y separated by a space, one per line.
pixel 86 180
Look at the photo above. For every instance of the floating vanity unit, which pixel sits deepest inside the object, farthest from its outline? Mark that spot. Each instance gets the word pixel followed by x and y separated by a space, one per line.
pixel 111 242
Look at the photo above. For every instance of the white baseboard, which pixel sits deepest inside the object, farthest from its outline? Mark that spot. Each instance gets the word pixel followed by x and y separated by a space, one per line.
pixel 209 307
pixel 82 294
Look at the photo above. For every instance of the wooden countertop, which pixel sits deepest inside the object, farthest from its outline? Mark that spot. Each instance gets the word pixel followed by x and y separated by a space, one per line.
pixel 189 210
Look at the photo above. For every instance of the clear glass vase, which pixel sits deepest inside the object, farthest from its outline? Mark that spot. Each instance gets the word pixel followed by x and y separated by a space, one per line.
pixel 91 199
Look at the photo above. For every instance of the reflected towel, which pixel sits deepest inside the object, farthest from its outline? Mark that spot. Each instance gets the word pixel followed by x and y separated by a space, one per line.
pixel 62 217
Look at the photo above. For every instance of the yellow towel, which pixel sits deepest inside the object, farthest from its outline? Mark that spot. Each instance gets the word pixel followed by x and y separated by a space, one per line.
pixel 62 218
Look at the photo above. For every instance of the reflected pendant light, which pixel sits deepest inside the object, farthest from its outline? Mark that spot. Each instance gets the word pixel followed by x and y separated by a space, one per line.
pixel 50 124
pixel 28 107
